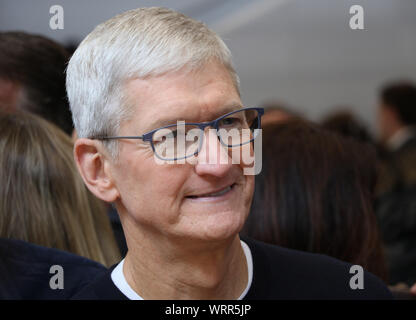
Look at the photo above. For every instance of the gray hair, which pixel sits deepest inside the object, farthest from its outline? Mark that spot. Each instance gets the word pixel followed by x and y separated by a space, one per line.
pixel 138 43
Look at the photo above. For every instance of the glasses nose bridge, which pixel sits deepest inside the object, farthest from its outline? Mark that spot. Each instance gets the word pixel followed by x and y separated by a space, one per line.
pixel 204 125
pixel 205 136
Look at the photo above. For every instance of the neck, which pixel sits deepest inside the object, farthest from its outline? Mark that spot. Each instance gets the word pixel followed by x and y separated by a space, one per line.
pixel 399 137
pixel 395 130
pixel 162 268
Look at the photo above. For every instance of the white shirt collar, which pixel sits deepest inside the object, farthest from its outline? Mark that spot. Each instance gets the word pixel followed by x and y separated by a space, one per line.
pixel 117 275
pixel 400 138
pixel 120 282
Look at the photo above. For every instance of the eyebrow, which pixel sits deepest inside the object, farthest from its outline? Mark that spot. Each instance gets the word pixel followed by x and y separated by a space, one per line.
pixel 163 122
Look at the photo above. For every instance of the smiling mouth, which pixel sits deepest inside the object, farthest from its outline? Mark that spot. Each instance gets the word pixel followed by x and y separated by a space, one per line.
pixel 213 194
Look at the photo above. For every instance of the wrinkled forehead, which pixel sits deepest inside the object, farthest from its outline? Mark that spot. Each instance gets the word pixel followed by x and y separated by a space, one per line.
pixel 190 95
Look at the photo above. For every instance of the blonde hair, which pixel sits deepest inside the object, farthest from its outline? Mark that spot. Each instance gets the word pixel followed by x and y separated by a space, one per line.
pixel 43 199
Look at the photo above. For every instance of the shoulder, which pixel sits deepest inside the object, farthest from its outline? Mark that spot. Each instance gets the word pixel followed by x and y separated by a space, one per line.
pixel 102 288
pixel 280 273
pixel 26 271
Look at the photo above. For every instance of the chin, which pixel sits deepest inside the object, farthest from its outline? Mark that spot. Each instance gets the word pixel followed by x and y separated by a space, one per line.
pixel 223 229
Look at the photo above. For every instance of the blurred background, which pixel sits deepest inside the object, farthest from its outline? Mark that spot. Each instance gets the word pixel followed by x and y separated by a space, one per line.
pixel 300 53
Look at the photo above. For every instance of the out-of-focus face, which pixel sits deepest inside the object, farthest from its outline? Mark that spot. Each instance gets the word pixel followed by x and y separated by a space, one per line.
pixel 386 120
pixel 275 116
pixel 188 201
pixel 9 95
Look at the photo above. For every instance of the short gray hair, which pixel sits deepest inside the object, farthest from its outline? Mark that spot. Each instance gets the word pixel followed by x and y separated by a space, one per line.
pixel 138 43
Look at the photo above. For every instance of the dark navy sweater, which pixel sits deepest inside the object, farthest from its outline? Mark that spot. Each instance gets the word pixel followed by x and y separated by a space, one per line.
pixel 25 271
pixel 278 273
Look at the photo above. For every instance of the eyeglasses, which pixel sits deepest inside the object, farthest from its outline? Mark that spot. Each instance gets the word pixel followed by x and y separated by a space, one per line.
pixel 183 140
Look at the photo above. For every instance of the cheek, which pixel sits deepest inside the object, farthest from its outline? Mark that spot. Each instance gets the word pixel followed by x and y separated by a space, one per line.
pixel 152 192
pixel 249 189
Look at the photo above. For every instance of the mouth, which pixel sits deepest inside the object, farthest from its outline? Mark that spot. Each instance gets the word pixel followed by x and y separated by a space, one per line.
pixel 215 194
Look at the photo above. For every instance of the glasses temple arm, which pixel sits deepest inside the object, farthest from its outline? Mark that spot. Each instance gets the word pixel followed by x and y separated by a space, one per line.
pixel 119 137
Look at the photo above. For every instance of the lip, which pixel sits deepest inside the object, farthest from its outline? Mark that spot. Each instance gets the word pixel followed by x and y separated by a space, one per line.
pixel 221 193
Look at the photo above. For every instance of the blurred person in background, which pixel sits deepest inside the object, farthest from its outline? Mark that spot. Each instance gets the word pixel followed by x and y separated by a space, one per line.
pixel 396 190
pixel 347 124
pixel 32 78
pixel 315 194
pixel 397 115
pixel 42 197
pixel 25 272
pixel 276 112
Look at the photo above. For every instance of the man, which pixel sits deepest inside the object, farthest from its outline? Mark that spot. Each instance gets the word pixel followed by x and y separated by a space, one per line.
pixel 134 84
pixel 396 204
pixel 397 115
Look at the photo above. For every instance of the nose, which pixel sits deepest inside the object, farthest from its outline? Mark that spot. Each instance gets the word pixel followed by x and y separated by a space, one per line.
pixel 213 158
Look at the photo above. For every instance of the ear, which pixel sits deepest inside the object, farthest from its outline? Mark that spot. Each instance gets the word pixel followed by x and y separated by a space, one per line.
pixel 94 166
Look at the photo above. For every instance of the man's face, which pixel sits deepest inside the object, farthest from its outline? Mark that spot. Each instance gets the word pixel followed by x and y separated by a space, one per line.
pixel 195 200
pixel 386 119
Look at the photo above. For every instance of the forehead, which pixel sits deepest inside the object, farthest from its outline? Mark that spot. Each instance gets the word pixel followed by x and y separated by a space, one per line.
pixel 197 95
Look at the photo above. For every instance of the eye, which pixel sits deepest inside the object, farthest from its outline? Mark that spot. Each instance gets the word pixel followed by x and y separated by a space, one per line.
pixel 230 122
pixel 163 135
